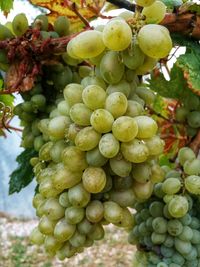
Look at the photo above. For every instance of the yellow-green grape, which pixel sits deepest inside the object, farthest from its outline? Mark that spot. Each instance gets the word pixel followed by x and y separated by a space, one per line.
pixel 87 139
pixel 133 57
pixel 142 191
pixel 80 114
pixel 157 174
pixel 44 153
pixel 5 33
pixel 135 151
pixel 146 94
pixel 85 227
pixel 42 22
pixel 74 215
pixel 113 213
pixel 88 44
pixel 147 127
pixel 77 240
pixel 69 60
pixel 148 65
pixel 126 15
pixel 58 126
pixel 64 178
pixel 51 244
pixel 116 103
pixel 155 41
pixel 46 226
pixel 70 49
pixel 178 206
pixel 127 221
pixel 47 190
pixel 144 3
pixel 141 172
pixel 64 200
pixel 102 120
pixel 61 26
pixel 78 196
pixel 73 93
pixel 94 179
pixel 94 97
pixel 37 200
pixel 125 128
pixel 56 150
pixel 74 158
pixel 154 13
pixel 63 230
pixel 109 145
pixel 63 108
pixel 125 198
pixel 94 80
pixel 134 109
pixel 53 209
pixel 95 158
pixel 117 35
pixel 37 237
pixel 20 24
pixel 192 184
pixel 84 71
pixel 111 67
pixel 120 166
pixel 72 131
pixel 97 232
pixel 155 145
pixel 95 211
pixel 123 87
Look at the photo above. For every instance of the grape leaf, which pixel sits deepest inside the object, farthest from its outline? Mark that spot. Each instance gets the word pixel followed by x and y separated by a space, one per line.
pixel 23 175
pixel 176 87
pixel 6 6
pixel 89 9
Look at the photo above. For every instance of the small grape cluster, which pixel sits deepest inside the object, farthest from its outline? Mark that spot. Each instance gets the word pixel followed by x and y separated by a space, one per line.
pixel 189 113
pixel 168 224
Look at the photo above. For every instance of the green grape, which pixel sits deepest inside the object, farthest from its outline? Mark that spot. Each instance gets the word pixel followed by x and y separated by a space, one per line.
pixel 53 209
pixel 64 200
pixel 159 225
pixel 37 200
pixel 20 24
pixel 116 103
pixel 56 150
pixel 156 209
pixel 102 120
pixel 5 33
pixel 161 264
pixel 157 174
pixel 181 114
pixel 38 142
pixel 134 109
pixel 84 71
pixel 88 44
pixel 186 234
pixel 133 57
pixel 61 26
pixel 73 131
pixel 85 227
pixel 154 40
pixel 192 102
pixel 126 14
pixel 27 106
pixel 184 154
pixel 43 125
pixel 73 93
pixel 94 179
pixel 195 223
pixel 148 65
pixel 77 240
pixel 87 139
pixel 147 127
pixel 120 166
pixel 174 227
pixel 125 198
pixel 192 184
pixel 169 241
pixel 154 13
pixel 111 68
pixel 183 247
pixel 51 244
pixel 109 145
pixel 171 186
pixel 78 196
pixel 58 126
pixel 66 251
pixel 97 232
pixel 146 94
pixel 46 226
pixel 44 153
pixel 193 119
pixel 69 60
pixel 127 221
pixel 178 258
pixel 192 167
pixel 74 158
pixel 74 215
pixel 95 211
pixel 80 114
pixel 141 172
pixel 41 21
pixel 94 97
pixel 125 128
pixel 173 173
pixel 158 239
pixel 61 79
pixel 63 230
pixel 93 81
pixel 95 158
pixel 36 237
pixel 113 213
pixel 166 252
pixel 122 183
pixel 142 191
pixel 145 3
pixel 186 220
pixel 191 131
pixel 178 206
pixel 117 35
pixel 122 87
pixel 63 108
pixel 135 151
pixel 64 178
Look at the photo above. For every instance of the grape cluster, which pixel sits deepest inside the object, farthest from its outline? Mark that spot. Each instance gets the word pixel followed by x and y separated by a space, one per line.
pixel 101 151
pixel 168 224
pixel 189 113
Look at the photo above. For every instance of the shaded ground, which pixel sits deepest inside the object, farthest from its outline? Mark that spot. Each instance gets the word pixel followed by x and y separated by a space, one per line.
pixel 16 250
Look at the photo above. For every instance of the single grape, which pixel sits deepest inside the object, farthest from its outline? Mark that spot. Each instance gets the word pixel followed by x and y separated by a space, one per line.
pixel 184 154
pixel 178 206
pixel 102 120
pixel 154 13
pixel 80 114
pixel 116 103
pixel 87 139
pixel 20 24
pixel 192 167
pixel 123 87
pixel 109 145
pixel 171 186
pixel 147 127
pixel 94 97
pixel 94 179
pixel 192 184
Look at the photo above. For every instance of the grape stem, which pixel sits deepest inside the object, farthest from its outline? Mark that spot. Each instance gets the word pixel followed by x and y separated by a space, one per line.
pixel 73 7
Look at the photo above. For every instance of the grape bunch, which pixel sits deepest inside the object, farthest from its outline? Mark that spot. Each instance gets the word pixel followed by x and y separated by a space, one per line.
pixel 101 151
pixel 189 113
pixel 167 225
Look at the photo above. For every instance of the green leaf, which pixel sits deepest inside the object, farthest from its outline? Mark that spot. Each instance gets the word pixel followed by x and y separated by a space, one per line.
pixel 7 99
pixel 176 87
pixel 23 175
pixel 6 5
